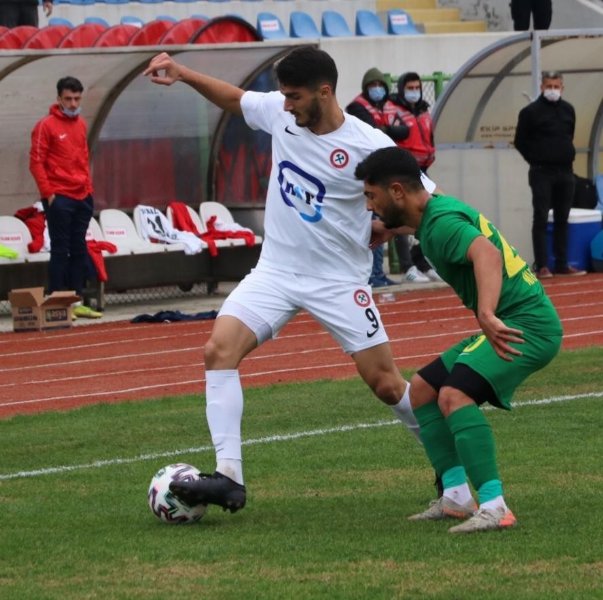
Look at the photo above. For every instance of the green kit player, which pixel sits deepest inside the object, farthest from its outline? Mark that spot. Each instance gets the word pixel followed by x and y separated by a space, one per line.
pixel 520 334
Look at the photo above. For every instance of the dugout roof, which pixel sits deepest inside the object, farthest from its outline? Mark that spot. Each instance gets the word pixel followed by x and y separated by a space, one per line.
pixel 479 106
pixel 133 124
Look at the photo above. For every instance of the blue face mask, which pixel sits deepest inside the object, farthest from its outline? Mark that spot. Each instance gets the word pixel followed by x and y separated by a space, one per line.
pixel 71 113
pixel 377 93
pixel 412 96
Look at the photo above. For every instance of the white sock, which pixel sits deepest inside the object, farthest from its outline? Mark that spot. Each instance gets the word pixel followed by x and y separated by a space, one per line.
pixel 461 494
pixel 224 411
pixel 403 411
pixel 498 502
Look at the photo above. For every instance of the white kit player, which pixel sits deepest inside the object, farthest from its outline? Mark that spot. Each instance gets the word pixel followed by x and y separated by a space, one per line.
pixel 315 254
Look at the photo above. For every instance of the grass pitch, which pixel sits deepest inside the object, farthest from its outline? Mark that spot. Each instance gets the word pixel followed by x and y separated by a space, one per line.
pixel 331 478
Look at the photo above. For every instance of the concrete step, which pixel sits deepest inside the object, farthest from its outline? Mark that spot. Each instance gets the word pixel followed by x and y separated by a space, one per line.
pixel 424 15
pixel 455 27
pixel 405 4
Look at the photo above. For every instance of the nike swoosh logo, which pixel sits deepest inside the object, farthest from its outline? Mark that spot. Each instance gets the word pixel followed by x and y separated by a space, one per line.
pixel 290 132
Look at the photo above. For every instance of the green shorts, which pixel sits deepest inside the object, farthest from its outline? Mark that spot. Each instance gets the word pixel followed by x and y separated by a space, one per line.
pixel 477 353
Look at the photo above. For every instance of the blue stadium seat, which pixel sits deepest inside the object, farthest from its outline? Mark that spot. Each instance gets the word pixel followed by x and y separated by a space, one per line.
pixel 270 27
pixel 97 20
pixel 185 0
pixel 150 1
pixel 166 18
pixel 130 20
pixel 301 25
pixel 60 21
pixel 81 2
pixel 334 25
pixel 399 22
pixel 113 1
pixel 368 23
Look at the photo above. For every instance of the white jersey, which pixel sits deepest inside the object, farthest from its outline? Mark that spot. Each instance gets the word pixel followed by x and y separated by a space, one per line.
pixel 316 220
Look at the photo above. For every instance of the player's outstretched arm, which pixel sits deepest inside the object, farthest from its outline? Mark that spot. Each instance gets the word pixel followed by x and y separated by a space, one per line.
pixel 164 70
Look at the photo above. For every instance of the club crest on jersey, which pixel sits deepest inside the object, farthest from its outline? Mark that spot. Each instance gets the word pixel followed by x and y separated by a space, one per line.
pixel 339 158
pixel 361 298
pixel 301 191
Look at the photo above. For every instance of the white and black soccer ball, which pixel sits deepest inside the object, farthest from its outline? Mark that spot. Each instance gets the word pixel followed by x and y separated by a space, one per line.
pixel 164 505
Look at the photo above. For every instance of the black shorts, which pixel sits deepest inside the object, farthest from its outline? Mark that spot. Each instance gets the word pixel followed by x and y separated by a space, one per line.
pixel 462 378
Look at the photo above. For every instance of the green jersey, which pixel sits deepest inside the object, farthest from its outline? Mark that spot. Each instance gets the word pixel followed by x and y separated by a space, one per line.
pixel 447 229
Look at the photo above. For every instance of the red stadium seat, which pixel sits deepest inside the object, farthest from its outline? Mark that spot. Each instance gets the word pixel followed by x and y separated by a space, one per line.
pixel 15 38
pixel 150 33
pixel 226 30
pixel 48 37
pixel 82 36
pixel 182 31
pixel 118 35
pixel 3 29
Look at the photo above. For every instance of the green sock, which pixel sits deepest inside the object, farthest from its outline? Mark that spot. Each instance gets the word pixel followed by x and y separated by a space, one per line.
pixel 454 477
pixel 437 439
pixel 490 490
pixel 474 444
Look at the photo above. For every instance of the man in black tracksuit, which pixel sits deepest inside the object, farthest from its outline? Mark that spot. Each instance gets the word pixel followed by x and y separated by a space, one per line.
pixel 544 137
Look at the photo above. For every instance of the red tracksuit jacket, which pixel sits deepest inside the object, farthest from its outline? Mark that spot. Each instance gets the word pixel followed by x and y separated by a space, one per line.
pixel 58 159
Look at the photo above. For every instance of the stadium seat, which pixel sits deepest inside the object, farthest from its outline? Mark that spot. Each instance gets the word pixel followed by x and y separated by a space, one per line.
pixel 399 22
pixel 270 27
pixel 14 234
pixel 150 1
pixel 17 37
pixel 368 24
pixel 228 29
pixel 47 37
pixel 114 1
pixel 150 33
pixel 143 222
pixel 82 36
pixel 60 21
pixel 118 35
pixel 3 29
pixel 118 228
pixel 94 231
pixel 333 24
pixel 97 20
pixel 210 209
pixel 129 20
pixel 301 25
pixel 166 18
pixel 183 31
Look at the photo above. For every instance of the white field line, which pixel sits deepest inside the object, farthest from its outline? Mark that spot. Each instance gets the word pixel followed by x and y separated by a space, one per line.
pixel 97 464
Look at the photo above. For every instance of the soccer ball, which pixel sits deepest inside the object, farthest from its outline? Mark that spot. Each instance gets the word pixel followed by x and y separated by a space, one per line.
pixel 164 505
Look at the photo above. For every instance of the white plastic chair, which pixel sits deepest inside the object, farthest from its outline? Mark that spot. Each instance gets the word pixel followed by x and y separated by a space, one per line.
pixel 15 234
pixel 137 216
pixel 193 215
pixel 221 212
pixel 118 228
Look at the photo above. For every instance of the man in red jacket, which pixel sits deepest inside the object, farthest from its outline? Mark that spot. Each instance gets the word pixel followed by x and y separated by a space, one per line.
pixel 58 161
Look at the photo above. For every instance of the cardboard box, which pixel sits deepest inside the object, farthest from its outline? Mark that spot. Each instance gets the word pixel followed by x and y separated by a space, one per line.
pixel 583 226
pixel 32 311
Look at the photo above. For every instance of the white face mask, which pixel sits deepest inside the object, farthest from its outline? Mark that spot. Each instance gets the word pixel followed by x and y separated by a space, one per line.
pixel 412 96
pixel 377 93
pixel 552 95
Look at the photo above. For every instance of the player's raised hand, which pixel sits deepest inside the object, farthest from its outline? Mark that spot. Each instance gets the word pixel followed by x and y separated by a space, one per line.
pixel 163 69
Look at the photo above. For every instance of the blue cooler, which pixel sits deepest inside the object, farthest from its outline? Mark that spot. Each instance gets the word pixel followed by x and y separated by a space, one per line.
pixel 596 252
pixel 583 225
